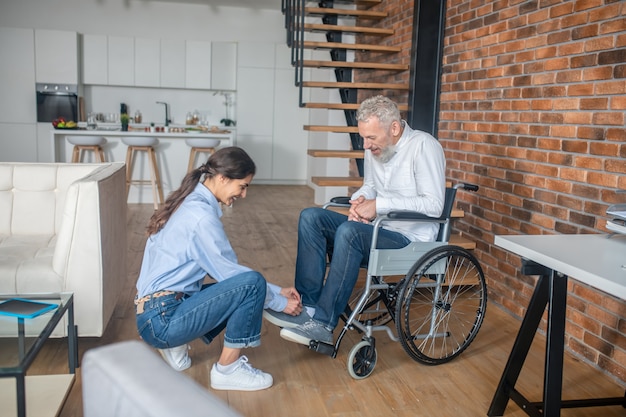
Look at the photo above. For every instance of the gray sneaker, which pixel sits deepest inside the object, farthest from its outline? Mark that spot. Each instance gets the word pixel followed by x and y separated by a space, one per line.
pixel 311 330
pixel 285 320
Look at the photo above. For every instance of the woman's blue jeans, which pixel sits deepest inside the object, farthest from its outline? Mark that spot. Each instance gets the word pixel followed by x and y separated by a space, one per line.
pixel 234 304
pixel 323 231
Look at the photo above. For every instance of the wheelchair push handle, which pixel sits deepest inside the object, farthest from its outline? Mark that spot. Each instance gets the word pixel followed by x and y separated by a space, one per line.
pixel 466 186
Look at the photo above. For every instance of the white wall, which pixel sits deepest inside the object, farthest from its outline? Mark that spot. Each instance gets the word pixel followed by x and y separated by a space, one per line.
pixel 152 19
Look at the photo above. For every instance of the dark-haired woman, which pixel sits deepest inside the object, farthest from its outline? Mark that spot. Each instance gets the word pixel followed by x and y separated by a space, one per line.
pixel 187 242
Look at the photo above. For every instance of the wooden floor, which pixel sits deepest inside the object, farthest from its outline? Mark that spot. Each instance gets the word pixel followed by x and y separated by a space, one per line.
pixel 262 229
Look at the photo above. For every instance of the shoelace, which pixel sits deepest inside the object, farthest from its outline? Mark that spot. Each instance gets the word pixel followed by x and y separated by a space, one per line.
pixel 311 324
pixel 243 363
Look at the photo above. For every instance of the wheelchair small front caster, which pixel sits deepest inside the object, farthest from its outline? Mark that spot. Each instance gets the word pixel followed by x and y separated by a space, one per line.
pixel 362 360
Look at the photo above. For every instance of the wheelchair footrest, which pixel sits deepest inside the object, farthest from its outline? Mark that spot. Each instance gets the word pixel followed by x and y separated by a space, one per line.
pixel 322 347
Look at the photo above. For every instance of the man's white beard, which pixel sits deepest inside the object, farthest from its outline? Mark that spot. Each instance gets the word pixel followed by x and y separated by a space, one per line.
pixel 386 154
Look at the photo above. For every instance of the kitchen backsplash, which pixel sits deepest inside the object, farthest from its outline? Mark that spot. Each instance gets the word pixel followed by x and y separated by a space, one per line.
pixel 209 105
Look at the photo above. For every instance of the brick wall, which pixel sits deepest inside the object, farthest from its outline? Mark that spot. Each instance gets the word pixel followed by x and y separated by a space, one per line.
pixel 400 19
pixel 533 108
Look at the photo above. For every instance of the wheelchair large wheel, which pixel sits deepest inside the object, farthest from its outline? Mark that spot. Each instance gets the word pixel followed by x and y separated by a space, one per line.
pixel 441 305
pixel 362 360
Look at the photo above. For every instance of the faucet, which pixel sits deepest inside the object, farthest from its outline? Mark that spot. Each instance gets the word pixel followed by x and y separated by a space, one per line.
pixel 167 112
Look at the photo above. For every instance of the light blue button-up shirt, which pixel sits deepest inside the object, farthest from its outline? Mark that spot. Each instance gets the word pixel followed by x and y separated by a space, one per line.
pixel 191 245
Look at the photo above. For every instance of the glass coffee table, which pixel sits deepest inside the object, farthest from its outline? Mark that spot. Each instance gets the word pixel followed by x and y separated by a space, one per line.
pixel 21 340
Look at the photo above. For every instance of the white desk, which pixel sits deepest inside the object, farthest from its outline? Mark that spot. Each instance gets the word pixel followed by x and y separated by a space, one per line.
pixel 596 260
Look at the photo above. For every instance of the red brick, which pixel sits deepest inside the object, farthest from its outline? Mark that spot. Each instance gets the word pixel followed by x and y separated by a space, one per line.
pixel 599 44
pixel 612 118
pixel 614 166
pixel 586 4
pixel 596 103
pixel 569 76
pixel 562 10
pixel 605 13
pixel 597 73
pixel 613 26
pixel 573 48
pixel 573 20
pixel 563 131
pixel 602 148
pixel 580 89
pixel 615 87
pixel 589 163
pixel 594 133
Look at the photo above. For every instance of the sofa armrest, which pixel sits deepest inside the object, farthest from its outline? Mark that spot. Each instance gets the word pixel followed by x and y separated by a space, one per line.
pixel 129 379
pixel 90 252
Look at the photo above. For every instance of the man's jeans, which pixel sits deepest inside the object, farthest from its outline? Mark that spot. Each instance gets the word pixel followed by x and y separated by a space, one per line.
pixel 323 231
pixel 235 304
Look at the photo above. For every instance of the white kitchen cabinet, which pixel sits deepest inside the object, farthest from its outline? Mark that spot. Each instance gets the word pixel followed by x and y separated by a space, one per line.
pixel 198 64
pixel 147 62
pixel 173 63
pixel 17 78
pixel 256 54
pixel 260 150
pixel 56 56
pixel 18 142
pixel 44 143
pixel 255 101
pixel 255 92
pixel 121 56
pixel 95 60
pixel 269 120
pixel 224 66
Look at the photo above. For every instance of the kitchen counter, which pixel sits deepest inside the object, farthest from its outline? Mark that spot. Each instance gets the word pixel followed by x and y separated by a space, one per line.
pixel 140 133
pixel 172 154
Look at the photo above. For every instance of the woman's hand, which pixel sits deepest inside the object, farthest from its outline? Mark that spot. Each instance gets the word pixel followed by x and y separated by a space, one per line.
pixel 294 303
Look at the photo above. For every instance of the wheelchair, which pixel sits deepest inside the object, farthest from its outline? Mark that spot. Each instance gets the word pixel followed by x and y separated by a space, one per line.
pixel 433 295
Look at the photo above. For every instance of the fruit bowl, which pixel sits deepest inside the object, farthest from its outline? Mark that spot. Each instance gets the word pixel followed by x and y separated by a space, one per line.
pixel 61 123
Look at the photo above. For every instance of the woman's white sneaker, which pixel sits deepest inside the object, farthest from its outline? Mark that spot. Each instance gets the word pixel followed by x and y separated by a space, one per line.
pixel 243 378
pixel 177 357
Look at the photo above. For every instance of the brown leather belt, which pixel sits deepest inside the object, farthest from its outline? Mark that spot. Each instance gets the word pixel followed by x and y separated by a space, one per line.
pixel 139 302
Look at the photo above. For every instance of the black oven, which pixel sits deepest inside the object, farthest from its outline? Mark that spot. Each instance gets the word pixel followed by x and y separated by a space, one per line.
pixel 57 100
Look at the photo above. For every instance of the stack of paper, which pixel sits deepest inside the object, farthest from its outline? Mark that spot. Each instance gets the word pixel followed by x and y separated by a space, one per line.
pixel 618 223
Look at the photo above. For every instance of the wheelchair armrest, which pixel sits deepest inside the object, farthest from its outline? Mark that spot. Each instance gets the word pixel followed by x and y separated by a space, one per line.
pixel 341 201
pixel 413 215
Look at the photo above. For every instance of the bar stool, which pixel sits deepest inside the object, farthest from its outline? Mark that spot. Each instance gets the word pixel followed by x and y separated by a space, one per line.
pixel 143 144
pixel 200 145
pixel 84 144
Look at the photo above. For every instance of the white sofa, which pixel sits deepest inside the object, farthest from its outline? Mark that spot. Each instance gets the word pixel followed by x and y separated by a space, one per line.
pixel 128 379
pixel 63 229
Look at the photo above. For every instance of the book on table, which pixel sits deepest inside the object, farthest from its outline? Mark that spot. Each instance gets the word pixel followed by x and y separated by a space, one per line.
pixel 24 308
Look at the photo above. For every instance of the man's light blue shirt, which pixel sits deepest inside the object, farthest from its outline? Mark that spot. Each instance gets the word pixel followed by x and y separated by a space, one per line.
pixel 191 245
